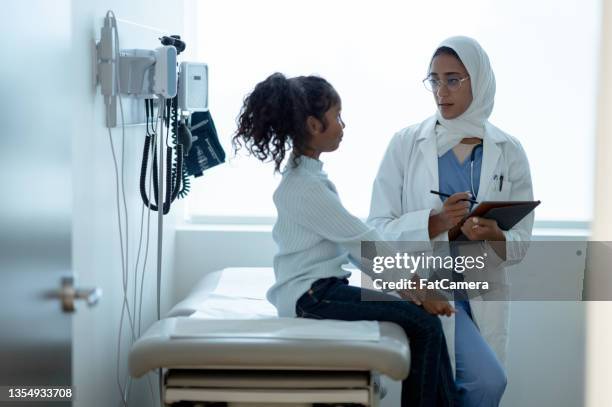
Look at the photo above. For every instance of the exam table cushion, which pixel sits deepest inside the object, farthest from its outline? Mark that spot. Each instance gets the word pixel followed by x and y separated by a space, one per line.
pixel 160 348
pixel 204 331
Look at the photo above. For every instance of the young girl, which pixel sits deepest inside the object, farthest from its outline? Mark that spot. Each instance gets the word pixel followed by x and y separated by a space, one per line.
pixel 316 235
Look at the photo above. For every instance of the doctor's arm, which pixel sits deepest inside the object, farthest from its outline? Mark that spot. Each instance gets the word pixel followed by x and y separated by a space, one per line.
pixel 387 214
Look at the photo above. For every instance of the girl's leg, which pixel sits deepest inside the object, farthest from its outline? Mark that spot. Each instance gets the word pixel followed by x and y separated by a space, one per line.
pixel 430 382
pixel 481 379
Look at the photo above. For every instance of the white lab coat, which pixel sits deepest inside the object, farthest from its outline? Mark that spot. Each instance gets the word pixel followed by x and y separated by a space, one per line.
pixel 402 203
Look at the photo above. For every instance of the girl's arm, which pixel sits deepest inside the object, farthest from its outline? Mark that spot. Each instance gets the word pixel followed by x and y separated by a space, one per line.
pixel 318 208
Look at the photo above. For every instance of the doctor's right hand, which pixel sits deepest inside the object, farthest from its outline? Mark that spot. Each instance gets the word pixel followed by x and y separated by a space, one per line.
pixel 455 208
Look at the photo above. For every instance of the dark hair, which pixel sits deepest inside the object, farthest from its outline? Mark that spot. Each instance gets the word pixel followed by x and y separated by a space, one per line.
pixel 273 117
pixel 445 51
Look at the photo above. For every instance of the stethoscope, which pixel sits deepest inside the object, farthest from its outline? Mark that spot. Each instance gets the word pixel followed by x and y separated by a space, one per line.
pixel 472 159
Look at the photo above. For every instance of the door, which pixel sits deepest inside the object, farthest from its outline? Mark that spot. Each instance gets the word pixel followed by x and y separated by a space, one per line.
pixel 35 215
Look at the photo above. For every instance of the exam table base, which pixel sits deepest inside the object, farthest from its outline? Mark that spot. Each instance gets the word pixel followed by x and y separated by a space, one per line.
pixel 277 388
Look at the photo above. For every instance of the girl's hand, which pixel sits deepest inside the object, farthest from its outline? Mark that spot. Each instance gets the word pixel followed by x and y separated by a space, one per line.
pixel 415 295
pixel 476 228
pixel 435 303
pixel 431 301
pixel 412 296
pixel 438 307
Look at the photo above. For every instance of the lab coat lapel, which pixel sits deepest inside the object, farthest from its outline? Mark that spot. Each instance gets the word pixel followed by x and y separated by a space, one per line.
pixel 490 156
pixel 429 155
pixel 429 149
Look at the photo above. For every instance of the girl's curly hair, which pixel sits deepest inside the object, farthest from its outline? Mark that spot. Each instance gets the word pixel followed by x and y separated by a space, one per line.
pixel 273 117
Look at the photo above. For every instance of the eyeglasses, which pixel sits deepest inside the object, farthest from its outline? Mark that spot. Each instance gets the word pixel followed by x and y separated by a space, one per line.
pixel 453 84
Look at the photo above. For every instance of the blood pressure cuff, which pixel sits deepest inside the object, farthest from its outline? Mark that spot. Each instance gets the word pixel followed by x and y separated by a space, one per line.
pixel 206 151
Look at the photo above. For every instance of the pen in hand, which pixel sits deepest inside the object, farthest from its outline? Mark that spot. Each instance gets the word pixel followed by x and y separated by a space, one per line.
pixel 447 195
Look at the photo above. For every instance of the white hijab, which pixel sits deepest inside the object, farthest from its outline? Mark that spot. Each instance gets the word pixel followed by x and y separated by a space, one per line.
pixel 472 122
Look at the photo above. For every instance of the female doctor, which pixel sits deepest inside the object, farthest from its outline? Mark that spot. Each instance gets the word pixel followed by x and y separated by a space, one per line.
pixel 458 152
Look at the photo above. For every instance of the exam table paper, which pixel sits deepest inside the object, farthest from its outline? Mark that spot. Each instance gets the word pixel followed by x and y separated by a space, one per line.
pixel 219 306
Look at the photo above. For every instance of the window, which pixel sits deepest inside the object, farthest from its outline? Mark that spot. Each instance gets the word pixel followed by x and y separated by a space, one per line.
pixel 544 55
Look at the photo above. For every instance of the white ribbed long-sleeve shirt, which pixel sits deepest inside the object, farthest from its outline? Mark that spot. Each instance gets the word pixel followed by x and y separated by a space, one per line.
pixel 314 233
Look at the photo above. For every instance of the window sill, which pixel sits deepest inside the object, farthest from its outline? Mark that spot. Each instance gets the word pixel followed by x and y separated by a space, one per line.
pixel 543 230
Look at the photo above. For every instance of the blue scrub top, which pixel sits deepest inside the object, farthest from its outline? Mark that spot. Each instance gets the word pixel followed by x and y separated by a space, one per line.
pixel 455 176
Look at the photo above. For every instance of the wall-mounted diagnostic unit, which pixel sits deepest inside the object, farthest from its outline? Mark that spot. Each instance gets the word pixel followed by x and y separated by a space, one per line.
pixel 149 87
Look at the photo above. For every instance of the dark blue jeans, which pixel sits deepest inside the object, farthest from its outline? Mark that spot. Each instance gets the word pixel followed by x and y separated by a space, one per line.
pixel 430 382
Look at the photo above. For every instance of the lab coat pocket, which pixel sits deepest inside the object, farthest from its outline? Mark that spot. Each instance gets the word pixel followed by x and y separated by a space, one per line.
pixel 496 195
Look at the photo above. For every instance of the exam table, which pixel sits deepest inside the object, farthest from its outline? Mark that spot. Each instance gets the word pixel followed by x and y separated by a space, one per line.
pixel 223 345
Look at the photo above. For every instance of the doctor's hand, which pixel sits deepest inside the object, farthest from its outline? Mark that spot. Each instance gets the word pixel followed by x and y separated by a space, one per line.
pixel 476 228
pixel 455 208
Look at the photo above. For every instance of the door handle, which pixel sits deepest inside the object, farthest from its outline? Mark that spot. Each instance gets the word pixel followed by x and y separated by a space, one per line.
pixel 68 295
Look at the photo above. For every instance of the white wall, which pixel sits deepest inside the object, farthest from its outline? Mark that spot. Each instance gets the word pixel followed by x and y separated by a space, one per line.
pixel 201 250
pixel 547 340
pixel 96 250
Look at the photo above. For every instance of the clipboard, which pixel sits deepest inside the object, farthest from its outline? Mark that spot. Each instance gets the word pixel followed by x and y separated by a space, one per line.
pixel 506 213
